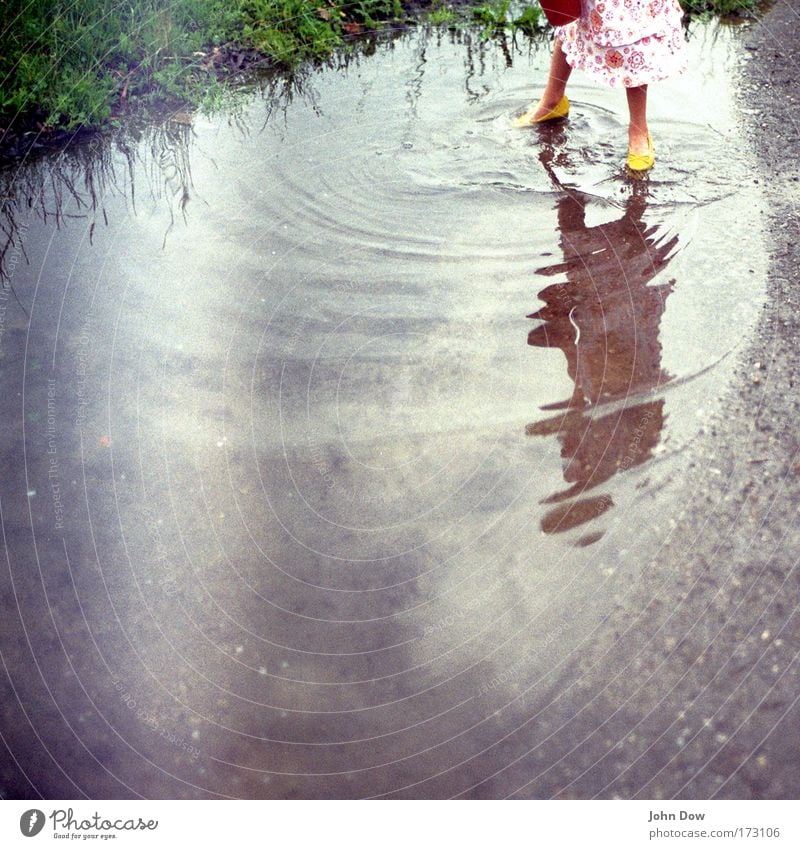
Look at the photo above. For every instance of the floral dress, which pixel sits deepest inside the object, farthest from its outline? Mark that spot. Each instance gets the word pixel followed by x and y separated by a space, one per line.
pixel 626 42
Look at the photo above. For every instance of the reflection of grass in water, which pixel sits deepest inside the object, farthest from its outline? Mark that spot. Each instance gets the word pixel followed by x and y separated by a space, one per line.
pixel 144 157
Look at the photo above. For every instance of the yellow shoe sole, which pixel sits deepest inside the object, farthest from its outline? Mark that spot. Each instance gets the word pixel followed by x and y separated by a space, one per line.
pixel 560 110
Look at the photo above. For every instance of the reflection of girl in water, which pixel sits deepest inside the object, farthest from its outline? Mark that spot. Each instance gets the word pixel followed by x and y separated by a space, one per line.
pixel 627 43
pixel 605 318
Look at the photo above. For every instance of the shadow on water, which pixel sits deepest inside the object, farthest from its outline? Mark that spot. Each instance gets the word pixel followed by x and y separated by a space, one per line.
pixel 274 523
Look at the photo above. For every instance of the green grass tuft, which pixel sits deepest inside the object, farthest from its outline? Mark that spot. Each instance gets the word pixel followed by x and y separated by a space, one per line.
pixel 69 62
pixel 72 63
pixel 721 8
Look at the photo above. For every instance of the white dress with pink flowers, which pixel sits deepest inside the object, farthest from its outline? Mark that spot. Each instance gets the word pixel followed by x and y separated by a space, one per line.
pixel 626 42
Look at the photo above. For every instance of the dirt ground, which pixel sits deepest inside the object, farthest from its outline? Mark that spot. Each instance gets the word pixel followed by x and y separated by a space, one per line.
pixel 732 610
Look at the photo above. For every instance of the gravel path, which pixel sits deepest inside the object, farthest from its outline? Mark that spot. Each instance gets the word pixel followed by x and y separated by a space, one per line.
pixel 717 659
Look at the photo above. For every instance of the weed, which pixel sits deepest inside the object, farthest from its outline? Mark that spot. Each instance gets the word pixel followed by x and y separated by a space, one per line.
pixel 71 63
pixel 441 14
pixel 531 20
pixel 721 8
pixel 493 15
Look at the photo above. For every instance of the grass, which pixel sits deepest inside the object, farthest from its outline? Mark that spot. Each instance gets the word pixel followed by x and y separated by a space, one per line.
pixel 68 59
pixel 442 14
pixel 70 63
pixel 77 63
pixel 721 8
pixel 498 14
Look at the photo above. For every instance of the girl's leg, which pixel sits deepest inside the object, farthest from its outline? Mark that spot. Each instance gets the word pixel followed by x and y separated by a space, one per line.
pixel 556 82
pixel 637 128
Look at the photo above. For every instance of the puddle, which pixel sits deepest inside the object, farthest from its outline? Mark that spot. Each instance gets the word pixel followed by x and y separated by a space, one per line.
pixel 332 429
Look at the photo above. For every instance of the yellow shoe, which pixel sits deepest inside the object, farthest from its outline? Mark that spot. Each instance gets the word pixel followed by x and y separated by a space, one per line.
pixel 643 161
pixel 560 110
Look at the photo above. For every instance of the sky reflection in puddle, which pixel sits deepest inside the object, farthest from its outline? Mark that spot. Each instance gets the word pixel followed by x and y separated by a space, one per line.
pixel 321 480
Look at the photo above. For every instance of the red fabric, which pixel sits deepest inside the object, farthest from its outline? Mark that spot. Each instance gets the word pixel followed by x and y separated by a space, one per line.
pixel 560 12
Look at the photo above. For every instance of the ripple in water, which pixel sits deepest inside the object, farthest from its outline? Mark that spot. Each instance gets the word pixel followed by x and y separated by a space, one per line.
pixel 359 417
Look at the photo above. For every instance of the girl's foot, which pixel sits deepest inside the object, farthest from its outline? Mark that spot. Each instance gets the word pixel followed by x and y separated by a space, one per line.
pixel 642 160
pixel 545 110
pixel 638 140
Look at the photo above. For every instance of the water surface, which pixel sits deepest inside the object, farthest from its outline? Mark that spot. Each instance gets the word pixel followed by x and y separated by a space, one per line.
pixel 334 428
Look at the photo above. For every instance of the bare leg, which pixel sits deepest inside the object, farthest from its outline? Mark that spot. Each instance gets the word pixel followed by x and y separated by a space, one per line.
pixel 556 82
pixel 637 128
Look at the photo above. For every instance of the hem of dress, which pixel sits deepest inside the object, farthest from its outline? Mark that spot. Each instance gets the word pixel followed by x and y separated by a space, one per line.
pixel 673 63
